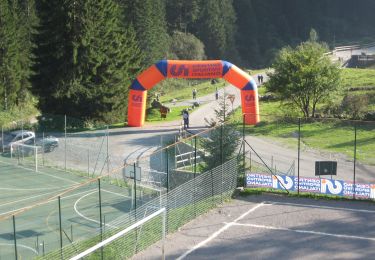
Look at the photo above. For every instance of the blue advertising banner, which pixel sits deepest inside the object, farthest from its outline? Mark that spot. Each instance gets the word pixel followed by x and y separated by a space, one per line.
pixel 311 185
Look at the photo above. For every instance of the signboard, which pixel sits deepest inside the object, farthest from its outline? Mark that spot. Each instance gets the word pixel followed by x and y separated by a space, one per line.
pixel 311 185
pixel 128 172
pixel 231 98
pixel 325 168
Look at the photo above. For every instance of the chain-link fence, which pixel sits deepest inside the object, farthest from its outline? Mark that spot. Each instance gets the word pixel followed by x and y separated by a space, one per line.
pixel 320 151
pixel 60 201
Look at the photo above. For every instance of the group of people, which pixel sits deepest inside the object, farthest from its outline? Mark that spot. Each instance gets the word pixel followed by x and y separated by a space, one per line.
pixel 260 78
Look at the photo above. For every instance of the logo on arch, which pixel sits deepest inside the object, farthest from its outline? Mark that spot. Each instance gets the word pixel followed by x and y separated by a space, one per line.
pixel 249 99
pixel 179 70
pixel 137 98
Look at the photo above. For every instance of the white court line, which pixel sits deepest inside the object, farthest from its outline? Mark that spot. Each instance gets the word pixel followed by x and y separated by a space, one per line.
pixel 321 207
pixel 64 179
pixel 303 231
pixel 20 245
pixel 73 195
pixel 90 219
pixel 28 198
pixel 221 230
pixel 115 193
pixel 36 189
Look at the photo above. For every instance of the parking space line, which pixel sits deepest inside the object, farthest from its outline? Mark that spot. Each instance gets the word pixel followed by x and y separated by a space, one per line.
pixel 321 207
pixel 302 231
pixel 218 232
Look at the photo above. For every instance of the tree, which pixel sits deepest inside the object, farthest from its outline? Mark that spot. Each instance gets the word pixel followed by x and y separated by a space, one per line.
pixel 16 21
pixel 222 141
pixel 149 20
pixel 217 29
pixel 186 46
pixel 304 76
pixel 182 15
pixel 96 55
pixel 53 54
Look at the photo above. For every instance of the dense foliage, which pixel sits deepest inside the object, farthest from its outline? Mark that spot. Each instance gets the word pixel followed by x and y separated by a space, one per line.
pixel 304 76
pixel 79 57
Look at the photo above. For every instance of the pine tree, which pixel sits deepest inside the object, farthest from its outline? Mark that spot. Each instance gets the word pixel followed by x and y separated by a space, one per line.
pixel 15 52
pixel 217 29
pixel 182 15
pixel 86 59
pixel 53 54
pixel 105 58
pixel 222 142
pixel 149 20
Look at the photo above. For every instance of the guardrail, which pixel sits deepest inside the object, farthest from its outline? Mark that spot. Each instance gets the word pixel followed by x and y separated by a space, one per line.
pixel 350 47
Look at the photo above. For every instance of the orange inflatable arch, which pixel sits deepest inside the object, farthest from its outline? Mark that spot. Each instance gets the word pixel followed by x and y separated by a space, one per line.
pixel 189 69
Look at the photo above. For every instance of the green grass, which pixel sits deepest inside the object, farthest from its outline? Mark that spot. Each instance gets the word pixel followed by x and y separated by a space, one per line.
pixel 185 92
pixel 358 77
pixel 329 135
pixel 154 114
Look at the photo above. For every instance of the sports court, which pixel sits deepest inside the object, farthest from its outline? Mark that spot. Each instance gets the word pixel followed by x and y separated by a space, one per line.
pixel 37 228
pixel 274 226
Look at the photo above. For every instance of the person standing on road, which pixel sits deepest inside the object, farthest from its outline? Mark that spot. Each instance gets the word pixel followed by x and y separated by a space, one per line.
pixel 195 93
pixel 217 94
pixel 185 117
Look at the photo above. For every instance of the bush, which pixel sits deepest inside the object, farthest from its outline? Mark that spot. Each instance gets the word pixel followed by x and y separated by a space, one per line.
pixel 354 106
pixel 370 116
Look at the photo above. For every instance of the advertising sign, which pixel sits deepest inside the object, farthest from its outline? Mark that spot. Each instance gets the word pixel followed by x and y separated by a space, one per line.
pixel 311 185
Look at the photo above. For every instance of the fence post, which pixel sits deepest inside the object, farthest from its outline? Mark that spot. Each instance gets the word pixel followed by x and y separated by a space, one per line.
pixel 195 173
pixel 135 190
pixel 100 217
pixel 60 227
pixel 107 151
pixel 299 151
pixel 244 162
pixel 222 159
pixel 250 161
pixel 2 138
pixel 212 188
pixel 88 162
pixel 65 142
pixel 167 202
pixel 195 156
pixel 243 127
pixel 355 157
pixel 15 238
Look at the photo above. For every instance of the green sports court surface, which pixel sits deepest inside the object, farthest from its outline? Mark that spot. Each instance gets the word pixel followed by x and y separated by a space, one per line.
pixel 37 226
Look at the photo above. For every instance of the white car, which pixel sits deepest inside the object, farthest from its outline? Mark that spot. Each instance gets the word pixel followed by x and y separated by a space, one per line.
pixel 49 143
pixel 18 137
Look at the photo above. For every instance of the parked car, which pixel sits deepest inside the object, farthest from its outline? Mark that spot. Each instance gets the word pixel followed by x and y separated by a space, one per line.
pixel 17 137
pixel 48 143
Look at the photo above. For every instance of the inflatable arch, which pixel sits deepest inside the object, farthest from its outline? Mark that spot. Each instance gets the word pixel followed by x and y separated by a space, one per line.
pixel 189 69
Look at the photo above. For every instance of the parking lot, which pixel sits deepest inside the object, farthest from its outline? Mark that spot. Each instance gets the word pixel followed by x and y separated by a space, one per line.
pixel 270 226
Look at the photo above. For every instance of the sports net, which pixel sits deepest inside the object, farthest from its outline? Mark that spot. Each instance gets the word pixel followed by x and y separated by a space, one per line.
pixel 24 154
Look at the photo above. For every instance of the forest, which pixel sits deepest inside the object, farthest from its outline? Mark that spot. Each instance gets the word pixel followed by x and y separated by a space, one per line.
pixel 79 57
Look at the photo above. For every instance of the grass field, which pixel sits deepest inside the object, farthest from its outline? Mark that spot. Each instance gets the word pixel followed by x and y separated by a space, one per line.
pixel 327 135
pixel 184 90
pixel 358 77
pixel 154 114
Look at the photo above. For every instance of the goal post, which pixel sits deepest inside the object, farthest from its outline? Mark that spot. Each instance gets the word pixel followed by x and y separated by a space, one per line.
pixel 25 154
pixel 122 233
